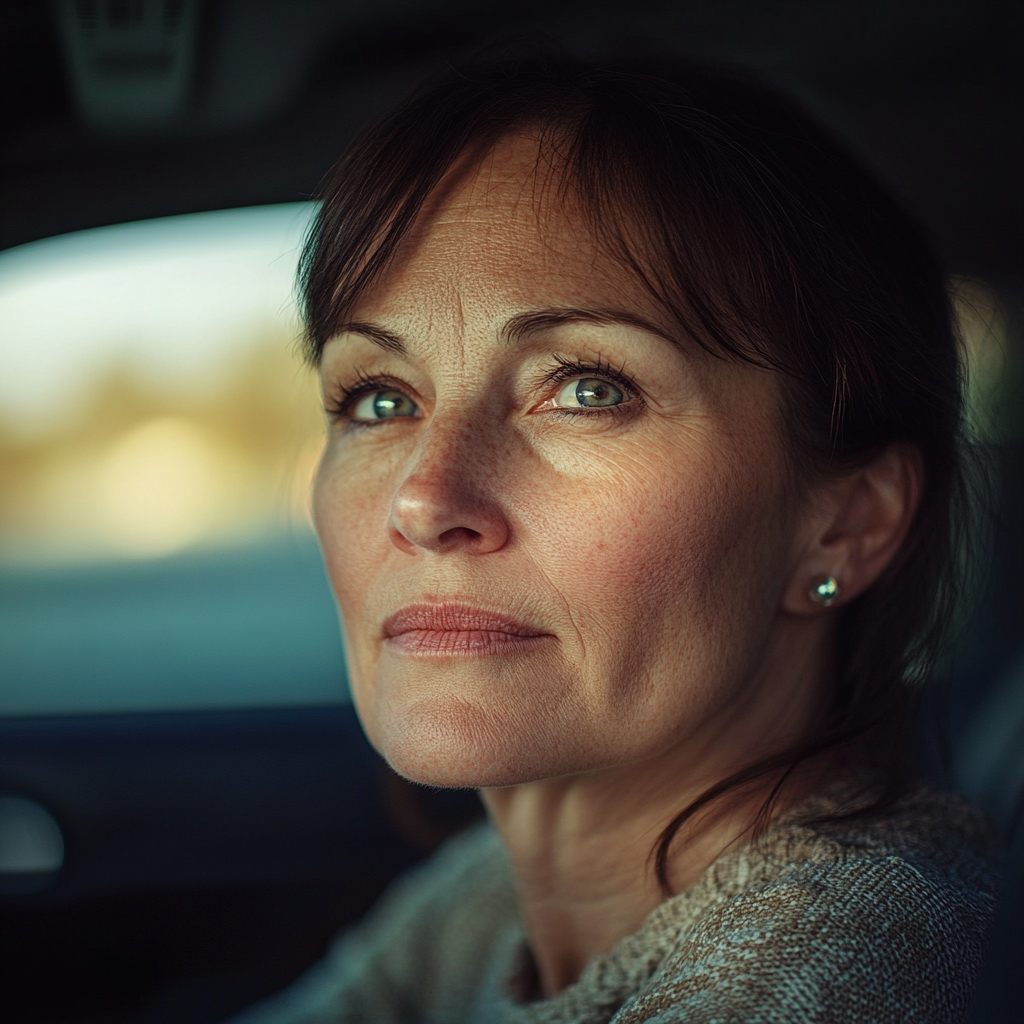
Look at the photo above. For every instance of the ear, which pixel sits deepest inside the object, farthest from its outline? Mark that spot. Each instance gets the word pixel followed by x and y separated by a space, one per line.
pixel 854 526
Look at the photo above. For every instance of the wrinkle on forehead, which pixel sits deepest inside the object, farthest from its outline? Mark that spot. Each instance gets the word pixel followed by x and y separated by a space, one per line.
pixel 511 208
pixel 519 179
pixel 495 238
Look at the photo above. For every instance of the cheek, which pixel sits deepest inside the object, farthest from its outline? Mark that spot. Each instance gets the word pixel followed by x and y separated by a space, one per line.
pixel 344 513
pixel 624 534
pixel 665 564
pixel 350 510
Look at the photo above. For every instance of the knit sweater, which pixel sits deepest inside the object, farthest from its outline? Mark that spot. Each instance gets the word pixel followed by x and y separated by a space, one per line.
pixel 884 920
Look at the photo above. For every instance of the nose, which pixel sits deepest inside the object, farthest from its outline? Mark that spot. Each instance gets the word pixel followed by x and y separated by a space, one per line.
pixel 446 503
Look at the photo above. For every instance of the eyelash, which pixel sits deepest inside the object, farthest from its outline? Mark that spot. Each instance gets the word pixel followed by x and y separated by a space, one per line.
pixel 569 369
pixel 338 406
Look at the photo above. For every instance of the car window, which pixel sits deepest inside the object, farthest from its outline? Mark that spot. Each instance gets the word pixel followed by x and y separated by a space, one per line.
pixel 158 434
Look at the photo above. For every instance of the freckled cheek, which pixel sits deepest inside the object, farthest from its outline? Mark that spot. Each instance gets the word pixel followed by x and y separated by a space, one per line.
pixel 350 510
pixel 623 553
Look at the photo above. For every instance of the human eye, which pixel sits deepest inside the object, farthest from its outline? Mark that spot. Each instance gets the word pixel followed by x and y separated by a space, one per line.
pixel 589 388
pixel 387 404
pixel 372 402
pixel 589 393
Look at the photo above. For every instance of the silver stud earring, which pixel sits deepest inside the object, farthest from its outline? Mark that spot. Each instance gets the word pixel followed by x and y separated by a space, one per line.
pixel 824 592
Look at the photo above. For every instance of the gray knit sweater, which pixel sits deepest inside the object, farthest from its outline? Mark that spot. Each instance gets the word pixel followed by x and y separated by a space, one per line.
pixel 861 923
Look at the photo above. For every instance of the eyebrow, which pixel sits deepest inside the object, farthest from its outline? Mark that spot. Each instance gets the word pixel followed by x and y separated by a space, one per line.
pixel 520 326
pixel 386 340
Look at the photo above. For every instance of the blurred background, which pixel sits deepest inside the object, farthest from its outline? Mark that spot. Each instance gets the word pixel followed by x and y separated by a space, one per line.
pixel 188 810
pixel 156 420
pixel 150 394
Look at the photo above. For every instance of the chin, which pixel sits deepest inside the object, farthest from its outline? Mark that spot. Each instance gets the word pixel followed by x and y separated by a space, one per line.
pixel 452 743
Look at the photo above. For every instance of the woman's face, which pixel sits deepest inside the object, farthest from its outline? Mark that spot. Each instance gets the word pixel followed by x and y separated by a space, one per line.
pixel 557 532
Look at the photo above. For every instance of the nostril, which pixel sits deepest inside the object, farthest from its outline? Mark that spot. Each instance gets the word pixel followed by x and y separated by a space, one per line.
pixel 459 535
pixel 440 512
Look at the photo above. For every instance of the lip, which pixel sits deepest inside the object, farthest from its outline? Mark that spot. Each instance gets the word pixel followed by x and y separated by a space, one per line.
pixel 450 629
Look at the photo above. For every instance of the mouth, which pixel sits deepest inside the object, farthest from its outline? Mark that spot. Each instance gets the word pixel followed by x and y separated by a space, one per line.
pixel 457 630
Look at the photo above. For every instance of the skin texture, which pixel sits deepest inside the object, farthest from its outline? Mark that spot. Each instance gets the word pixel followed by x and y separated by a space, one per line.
pixel 657 549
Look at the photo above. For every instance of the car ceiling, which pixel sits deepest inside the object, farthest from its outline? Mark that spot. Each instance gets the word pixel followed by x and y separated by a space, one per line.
pixel 929 92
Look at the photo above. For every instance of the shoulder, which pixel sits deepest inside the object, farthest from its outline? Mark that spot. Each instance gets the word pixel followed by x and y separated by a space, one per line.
pixel 396 963
pixel 884 920
pixel 472 861
pixel 465 889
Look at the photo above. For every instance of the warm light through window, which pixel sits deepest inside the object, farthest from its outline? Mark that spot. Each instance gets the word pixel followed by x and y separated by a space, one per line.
pixel 151 397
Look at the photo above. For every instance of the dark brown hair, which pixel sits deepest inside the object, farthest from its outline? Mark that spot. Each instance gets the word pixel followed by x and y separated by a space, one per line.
pixel 763 239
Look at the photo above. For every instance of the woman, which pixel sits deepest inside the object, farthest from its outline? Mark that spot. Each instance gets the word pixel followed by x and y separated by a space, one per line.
pixel 639 503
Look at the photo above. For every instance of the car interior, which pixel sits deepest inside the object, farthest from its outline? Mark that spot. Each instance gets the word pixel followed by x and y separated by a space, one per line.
pixel 189 811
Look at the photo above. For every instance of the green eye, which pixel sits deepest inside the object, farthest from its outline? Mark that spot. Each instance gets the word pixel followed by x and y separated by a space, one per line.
pixel 383 405
pixel 589 393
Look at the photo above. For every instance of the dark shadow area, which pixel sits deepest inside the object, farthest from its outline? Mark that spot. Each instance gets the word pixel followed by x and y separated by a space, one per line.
pixel 210 857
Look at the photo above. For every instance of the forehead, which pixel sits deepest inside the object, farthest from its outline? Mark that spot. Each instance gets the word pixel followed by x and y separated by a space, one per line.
pixel 501 230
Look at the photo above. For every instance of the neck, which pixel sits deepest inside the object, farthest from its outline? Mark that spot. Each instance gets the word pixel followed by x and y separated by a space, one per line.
pixel 581 846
